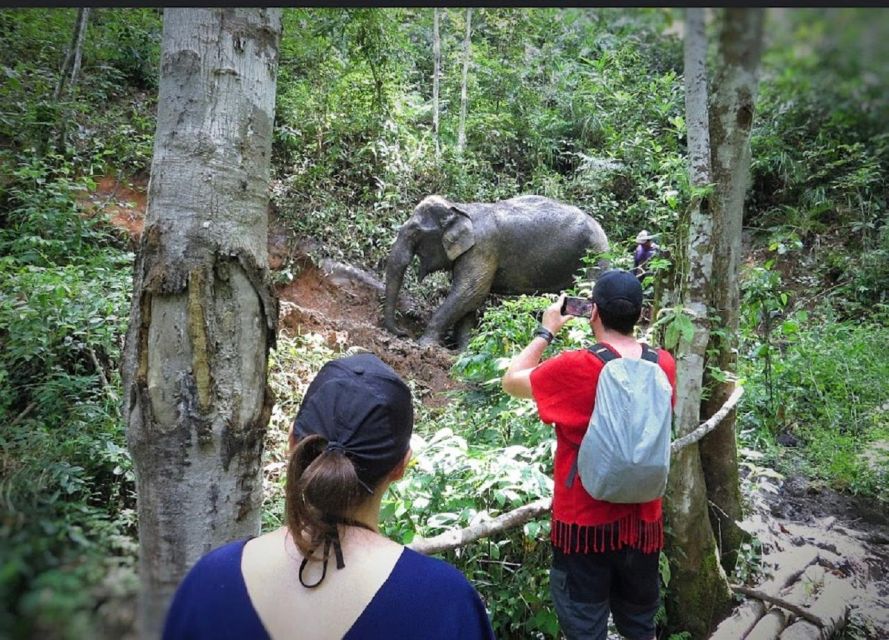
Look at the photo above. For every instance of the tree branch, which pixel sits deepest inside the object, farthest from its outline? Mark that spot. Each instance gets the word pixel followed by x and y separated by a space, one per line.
pixel 24 413
pixel 711 423
pixel 459 537
pixel 99 369
pixel 784 604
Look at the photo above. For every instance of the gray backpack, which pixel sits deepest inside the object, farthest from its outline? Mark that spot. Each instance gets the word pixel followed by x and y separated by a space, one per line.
pixel 624 456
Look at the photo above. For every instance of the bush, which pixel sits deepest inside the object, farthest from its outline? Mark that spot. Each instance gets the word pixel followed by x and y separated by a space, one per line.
pixel 68 489
pixel 814 377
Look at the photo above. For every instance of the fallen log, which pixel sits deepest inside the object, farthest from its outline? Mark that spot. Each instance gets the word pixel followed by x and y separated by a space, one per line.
pixel 741 621
pixel 769 626
pixel 831 606
pixel 459 537
pixel 801 630
pixel 790 564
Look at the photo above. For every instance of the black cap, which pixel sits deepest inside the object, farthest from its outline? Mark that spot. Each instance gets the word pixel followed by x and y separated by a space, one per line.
pixel 615 285
pixel 362 407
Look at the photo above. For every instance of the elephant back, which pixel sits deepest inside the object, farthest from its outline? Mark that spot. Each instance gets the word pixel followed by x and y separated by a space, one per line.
pixel 541 243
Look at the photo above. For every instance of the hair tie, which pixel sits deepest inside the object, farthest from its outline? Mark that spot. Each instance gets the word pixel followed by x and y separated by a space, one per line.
pixel 333 445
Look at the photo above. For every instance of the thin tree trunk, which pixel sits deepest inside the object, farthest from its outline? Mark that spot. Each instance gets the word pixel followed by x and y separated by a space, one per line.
pixel 731 117
pixel 82 19
pixel 436 75
pixel 71 65
pixel 68 78
pixel 461 135
pixel 699 593
pixel 203 319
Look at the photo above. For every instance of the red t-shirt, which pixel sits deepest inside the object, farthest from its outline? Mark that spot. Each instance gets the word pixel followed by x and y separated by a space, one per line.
pixel 564 388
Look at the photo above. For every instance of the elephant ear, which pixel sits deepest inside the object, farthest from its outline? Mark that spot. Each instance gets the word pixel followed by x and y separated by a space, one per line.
pixel 458 236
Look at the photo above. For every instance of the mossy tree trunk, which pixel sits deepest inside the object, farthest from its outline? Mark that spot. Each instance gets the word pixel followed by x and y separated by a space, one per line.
pixel 698 593
pixel 732 102
pixel 203 320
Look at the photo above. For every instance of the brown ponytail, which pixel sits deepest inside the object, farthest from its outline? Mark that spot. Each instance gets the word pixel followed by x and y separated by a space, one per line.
pixel 322 487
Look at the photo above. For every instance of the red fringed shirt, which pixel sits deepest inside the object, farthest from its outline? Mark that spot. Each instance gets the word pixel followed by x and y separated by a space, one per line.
pixel 564 388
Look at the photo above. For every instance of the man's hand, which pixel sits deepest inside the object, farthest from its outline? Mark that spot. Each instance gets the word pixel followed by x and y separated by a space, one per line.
pixel 517 379
pixel 553 320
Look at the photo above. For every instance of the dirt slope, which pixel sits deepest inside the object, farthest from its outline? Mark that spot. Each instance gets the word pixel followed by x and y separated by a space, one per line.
pixel 337 301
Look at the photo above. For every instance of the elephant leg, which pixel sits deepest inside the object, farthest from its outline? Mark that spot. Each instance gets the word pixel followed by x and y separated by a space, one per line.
pixel 463 328
pixel 469 288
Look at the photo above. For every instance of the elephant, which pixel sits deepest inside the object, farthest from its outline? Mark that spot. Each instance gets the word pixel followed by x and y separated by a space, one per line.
pixel 526 244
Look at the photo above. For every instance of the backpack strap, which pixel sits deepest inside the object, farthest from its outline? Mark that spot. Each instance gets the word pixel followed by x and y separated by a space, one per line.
pixel 569 481
pixel 649 354
pixel 604 353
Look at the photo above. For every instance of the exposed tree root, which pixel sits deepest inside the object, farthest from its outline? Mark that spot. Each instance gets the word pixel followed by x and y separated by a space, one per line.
pixel 780 602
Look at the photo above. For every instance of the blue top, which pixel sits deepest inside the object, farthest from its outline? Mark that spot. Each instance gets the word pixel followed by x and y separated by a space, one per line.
pixel 423 598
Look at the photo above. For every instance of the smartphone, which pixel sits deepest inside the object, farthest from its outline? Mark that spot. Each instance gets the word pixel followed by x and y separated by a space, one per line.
pixel 581 307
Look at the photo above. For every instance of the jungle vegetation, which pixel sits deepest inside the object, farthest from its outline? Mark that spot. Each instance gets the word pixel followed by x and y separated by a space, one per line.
pixel 581 105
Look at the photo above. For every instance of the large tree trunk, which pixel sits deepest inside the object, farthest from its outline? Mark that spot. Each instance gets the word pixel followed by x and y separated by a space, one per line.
pixel 731 117
pixel 436 75
pixel 461 134
pixel 203 320
pixel 698 593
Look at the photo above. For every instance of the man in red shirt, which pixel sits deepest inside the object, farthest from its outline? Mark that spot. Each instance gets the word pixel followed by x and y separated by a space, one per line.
pixel 605 555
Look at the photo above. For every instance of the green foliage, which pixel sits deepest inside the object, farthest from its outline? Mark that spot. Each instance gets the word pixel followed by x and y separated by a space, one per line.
pixel 820 150
pixel 67 488
pixel 555 112
pixel 814 377
pixel 98 123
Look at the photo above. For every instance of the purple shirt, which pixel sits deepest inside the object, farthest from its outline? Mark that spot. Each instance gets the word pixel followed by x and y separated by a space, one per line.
pixel 643 255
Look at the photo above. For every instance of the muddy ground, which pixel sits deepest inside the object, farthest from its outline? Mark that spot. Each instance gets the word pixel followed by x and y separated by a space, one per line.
pixel 343 305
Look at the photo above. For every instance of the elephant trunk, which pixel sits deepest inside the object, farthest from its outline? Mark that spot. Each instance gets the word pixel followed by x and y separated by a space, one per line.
pixel 400 256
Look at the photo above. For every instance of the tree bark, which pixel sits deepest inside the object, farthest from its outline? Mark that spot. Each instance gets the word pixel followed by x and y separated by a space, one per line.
pixel 698 593
pixel 731 111
pixel 203 319
pixel 461 135
pixel 436 76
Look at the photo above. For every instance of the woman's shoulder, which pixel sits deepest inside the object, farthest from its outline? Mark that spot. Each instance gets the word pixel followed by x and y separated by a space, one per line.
pixel 438 594
pixel 214 585
pixel 221 559
pixel 430 574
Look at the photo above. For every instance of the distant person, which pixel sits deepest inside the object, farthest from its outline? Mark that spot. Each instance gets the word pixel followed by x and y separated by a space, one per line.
pixel 350 441
pixel 605 554
pixel 646 249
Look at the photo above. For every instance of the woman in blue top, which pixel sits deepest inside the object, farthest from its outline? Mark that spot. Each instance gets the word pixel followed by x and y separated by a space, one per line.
pixel 350 441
